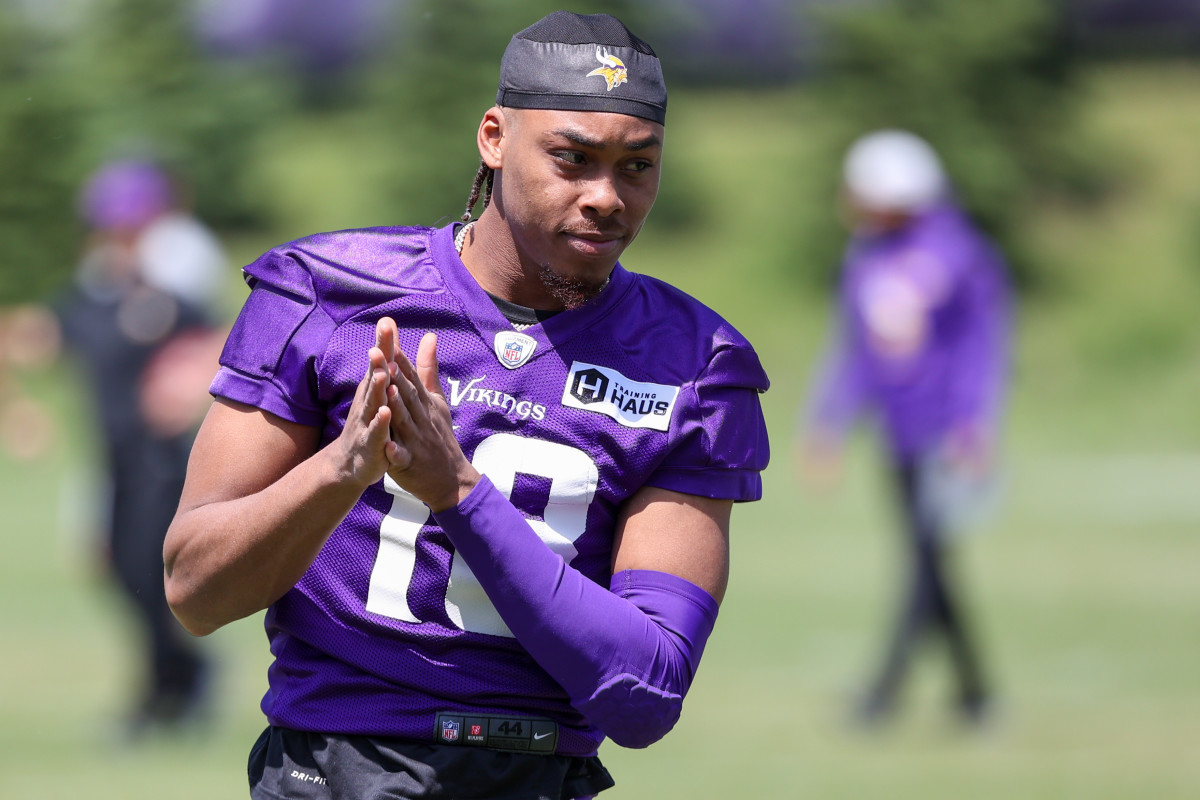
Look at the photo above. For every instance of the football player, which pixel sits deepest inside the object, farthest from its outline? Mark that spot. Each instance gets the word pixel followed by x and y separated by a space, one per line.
pixel 480 476
pixel 923 342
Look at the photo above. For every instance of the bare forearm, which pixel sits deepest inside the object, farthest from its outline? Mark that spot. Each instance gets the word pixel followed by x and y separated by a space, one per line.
pixel 229 559
pixel 260 499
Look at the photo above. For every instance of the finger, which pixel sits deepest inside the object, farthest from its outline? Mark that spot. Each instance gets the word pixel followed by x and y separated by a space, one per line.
pixel 396 455
pixel 427 364
pixel 375 393
pixel 386 338
pixel 373 401
pixel 409 414
pixel 376 363
pixel 379 438
pixel 374 383
pixel 411 392
pixel 360 392
pixel 379 429
pixel 403 426
pixel 405 367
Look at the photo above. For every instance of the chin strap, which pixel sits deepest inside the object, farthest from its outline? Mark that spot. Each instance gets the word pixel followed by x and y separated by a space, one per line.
pixel 625 656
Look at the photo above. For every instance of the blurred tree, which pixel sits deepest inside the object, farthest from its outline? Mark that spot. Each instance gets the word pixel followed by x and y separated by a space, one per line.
pixel 991 85
pixel 147 87
pixel 430 93
pixel 111 79
pixel 39 140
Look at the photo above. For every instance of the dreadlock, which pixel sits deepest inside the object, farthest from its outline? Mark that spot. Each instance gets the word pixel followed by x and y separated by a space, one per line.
pixel 483 181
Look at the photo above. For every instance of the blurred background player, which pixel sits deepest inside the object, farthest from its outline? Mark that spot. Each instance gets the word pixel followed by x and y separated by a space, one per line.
pixel 922 341
pixel 138 322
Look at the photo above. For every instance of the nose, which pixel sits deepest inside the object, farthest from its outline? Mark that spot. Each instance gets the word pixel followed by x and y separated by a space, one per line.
pixel 601 197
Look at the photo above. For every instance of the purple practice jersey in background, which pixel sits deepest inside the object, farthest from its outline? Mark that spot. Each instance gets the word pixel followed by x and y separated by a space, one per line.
pixel 923 334
pixel 642 386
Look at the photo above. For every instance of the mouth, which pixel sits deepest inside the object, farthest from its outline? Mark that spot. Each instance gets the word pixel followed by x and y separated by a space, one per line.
pixel 595 243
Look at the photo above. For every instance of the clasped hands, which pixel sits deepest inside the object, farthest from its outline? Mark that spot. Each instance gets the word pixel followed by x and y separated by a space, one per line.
pixel 399 423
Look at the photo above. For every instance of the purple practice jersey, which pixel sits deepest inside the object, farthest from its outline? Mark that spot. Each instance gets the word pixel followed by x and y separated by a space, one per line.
pixel 642 386
pixel 923 334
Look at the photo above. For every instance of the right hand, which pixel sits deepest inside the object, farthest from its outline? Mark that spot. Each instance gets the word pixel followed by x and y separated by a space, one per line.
pixel 428 461
pixel 364 450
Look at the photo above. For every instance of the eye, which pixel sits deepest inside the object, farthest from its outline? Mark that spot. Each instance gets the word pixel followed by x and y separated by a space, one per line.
pixel 572 157
pixel 639 166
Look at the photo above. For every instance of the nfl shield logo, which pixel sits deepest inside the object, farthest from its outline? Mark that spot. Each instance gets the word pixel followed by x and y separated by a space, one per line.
pixel 513 348
pixel 449 730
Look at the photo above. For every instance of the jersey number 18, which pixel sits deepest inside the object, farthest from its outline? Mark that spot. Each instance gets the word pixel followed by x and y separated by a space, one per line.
pixel 573 476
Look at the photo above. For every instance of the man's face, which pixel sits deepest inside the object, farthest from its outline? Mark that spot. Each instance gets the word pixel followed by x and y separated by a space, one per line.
pixel 575 188
pixel 862 218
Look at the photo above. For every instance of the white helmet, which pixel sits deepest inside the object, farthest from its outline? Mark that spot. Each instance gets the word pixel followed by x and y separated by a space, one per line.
pixel 893 170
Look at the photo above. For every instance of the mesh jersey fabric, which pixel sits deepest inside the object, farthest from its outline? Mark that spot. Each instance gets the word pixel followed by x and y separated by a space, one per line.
pixel 388 627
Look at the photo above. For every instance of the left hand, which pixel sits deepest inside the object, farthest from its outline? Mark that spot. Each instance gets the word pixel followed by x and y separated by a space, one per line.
pixel 427 461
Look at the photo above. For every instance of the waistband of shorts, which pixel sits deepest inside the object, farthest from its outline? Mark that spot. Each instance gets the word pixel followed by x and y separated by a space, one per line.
pixel 534 735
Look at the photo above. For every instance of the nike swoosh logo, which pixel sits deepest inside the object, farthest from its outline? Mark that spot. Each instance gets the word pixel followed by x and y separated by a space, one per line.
pixel 540 736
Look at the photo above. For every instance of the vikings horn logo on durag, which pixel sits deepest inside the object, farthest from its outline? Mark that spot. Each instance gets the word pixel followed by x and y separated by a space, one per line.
pixel 613 71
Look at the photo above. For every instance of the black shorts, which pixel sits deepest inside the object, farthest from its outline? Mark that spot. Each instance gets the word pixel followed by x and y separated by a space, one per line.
pixel 298 765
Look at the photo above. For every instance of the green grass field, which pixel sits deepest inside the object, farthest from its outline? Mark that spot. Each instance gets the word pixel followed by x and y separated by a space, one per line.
pixel 1085 589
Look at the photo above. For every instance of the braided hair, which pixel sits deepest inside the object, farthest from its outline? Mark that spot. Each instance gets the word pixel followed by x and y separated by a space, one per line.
pixel 484 178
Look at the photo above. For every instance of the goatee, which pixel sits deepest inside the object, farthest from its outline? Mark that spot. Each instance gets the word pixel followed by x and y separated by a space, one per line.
pixel 571 292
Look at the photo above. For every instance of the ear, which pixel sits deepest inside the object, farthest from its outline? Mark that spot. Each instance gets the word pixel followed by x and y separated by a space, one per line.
pixel 493 129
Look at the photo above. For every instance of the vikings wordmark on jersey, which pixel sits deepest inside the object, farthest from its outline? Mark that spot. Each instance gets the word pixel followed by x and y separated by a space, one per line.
pixel 642 386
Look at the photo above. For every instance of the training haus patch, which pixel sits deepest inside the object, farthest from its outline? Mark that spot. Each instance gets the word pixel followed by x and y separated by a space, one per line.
pixel 608 392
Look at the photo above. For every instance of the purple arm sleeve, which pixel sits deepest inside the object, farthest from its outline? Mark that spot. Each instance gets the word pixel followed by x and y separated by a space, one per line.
pixel 625 657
